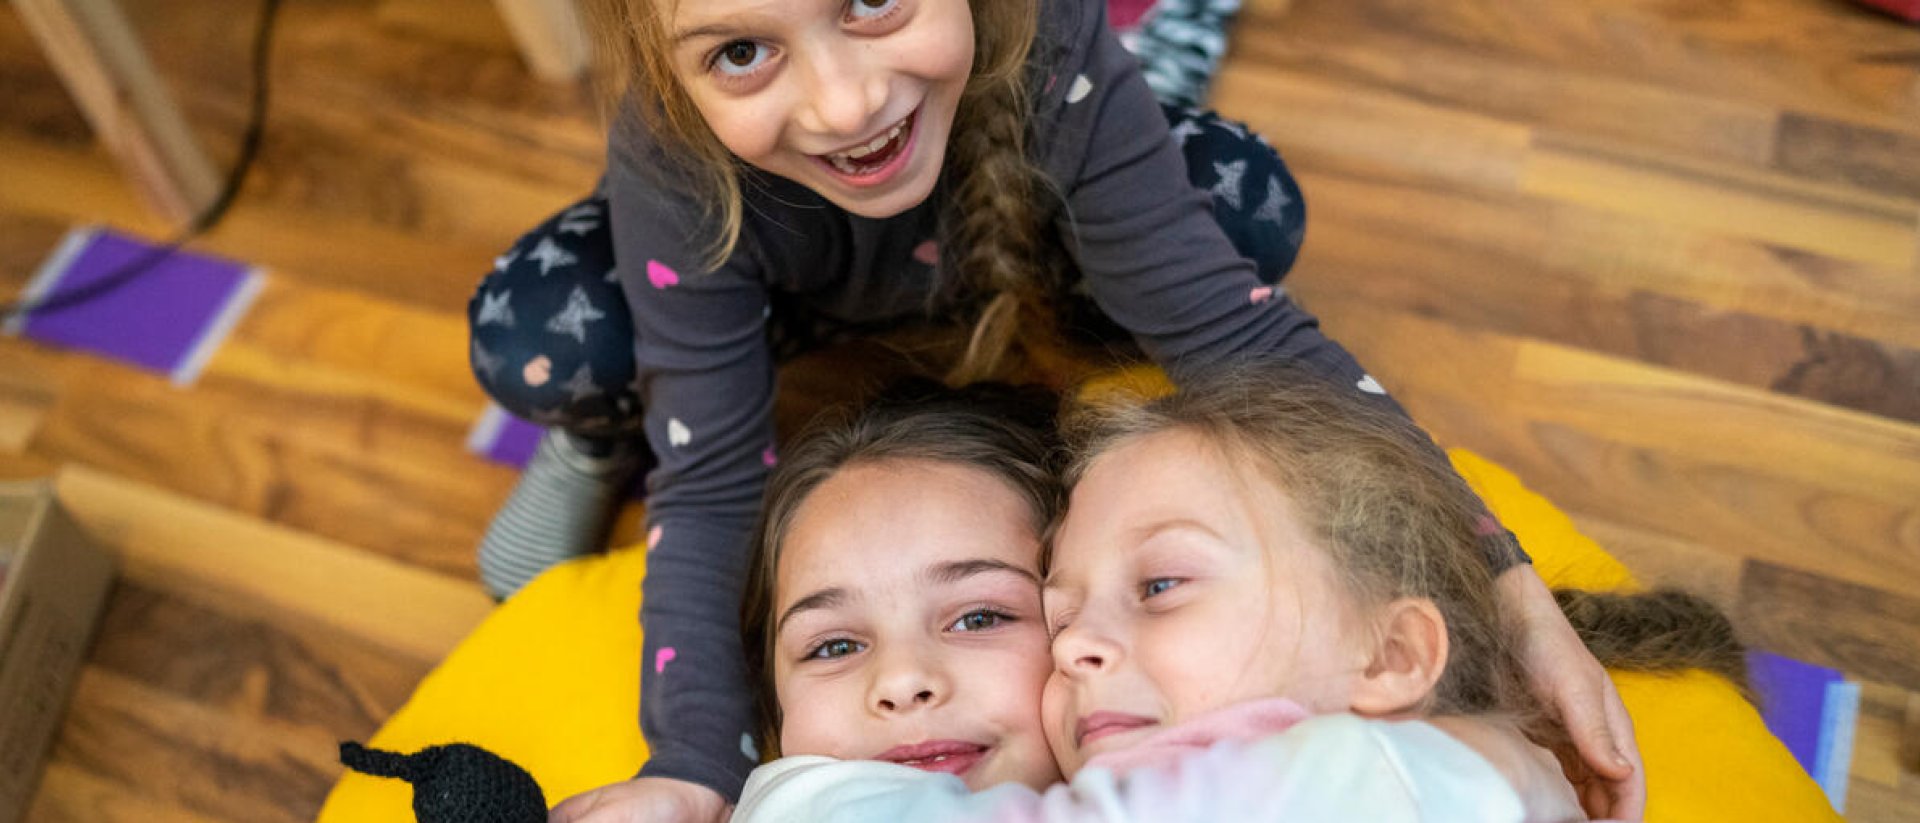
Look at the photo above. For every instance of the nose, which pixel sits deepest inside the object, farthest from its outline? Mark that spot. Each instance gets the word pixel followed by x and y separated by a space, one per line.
pixel 844 92
pixel 1088 645
pixel 906 681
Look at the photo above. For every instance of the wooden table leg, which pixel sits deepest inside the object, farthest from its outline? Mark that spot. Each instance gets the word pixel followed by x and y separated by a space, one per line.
pixel 552 38
pixel 95 52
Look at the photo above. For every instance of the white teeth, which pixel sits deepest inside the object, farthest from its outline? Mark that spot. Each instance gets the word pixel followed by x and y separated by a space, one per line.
pixel 877 144
pixel 859 152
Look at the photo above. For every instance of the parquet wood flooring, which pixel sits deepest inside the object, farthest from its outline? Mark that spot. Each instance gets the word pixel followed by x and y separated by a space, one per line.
pixel 1661 259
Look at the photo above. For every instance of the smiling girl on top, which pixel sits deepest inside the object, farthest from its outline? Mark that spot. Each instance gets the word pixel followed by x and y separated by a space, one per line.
pixel 788 172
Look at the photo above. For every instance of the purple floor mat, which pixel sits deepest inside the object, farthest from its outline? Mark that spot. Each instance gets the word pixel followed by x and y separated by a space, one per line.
pixel 169 319
pixel 503 438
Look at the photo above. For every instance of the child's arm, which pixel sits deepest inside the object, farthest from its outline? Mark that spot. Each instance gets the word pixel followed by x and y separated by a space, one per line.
pixel 1160 266
pixel 1153 255
pixel 706 379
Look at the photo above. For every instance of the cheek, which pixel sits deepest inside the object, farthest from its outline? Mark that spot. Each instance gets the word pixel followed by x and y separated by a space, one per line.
pixel 942 59
pixel 1012 688
pixel 957 45
pixel 828 711
pixel 750 127
pixel 1014 674
pixel 1202 660
pixel 1056 706
pixel 937 48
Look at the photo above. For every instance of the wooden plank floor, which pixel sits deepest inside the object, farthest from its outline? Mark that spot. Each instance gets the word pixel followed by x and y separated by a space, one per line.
pixel 1662 260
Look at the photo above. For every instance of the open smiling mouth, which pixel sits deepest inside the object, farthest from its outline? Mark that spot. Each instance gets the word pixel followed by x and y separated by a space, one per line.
pixel 876 159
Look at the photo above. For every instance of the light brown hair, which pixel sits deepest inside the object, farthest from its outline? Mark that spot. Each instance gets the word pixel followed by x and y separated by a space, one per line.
pixel 1005 431
pixel 1398 521
pixel 995 221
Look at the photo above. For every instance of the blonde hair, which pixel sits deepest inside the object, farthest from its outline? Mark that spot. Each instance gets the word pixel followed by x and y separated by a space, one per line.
pixel 1398 521
pixel 1393 516
pixel 994 221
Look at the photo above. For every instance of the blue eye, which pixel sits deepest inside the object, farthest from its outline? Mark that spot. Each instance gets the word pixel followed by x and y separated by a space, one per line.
pixel 1158 585
pixel 739 58
pixel 836 648
pixel 979 620
pixel 870 9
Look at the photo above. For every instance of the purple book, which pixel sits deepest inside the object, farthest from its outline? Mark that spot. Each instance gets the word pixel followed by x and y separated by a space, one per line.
pixel 1813 710
pixel 169 318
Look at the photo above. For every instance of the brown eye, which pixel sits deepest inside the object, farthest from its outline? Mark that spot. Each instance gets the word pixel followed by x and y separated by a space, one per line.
pixel 739 58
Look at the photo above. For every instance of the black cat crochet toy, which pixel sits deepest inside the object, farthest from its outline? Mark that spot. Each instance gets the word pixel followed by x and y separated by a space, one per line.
pixel 456 783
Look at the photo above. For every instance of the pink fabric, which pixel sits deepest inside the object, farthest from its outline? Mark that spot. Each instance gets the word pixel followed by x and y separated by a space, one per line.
pixel 1246 721
pixel 1125 14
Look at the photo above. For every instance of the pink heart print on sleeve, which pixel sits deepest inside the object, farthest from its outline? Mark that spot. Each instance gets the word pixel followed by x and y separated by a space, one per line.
pixel 928 252
pixel 662 657
pixel 769 458
pixel 660 276
pixel 537 372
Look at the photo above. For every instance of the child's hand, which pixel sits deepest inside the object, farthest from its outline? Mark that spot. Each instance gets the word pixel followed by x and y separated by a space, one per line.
pixel 644 800
pixel 1575 689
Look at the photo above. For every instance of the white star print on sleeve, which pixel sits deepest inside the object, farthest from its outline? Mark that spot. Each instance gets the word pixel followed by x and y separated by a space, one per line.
pixel 1277 200
pixel 496 309
pixel 1228 189
pixel 549 254
pixel 572 320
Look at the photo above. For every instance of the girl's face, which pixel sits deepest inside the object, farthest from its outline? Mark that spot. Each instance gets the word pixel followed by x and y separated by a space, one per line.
pixel 851 98
pixel 908 626
pixel 1182 584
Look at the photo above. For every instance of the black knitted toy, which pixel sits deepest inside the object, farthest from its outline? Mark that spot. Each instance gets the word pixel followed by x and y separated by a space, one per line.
pixel 456 783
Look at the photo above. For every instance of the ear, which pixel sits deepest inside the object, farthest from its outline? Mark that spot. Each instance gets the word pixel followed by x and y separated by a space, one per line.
pixel 1408 659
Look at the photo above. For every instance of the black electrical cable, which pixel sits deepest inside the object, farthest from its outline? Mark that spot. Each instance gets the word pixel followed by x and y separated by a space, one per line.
pixel 230 190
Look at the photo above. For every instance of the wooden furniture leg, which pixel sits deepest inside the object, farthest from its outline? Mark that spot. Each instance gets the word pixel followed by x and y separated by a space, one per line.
pixel 552 38
pixel 96 54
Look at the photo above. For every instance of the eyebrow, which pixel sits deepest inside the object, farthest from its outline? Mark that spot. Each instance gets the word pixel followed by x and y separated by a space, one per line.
pixel 959 570
pixel 822 599
pixel 1141 534
pixel 709 30
pixel 943 574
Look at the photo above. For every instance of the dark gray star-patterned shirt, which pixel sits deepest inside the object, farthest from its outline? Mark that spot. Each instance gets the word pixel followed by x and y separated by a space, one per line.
pixel 1143 239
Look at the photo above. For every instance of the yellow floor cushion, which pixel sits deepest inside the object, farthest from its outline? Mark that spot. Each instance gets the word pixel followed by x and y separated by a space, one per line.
pixel 551 681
